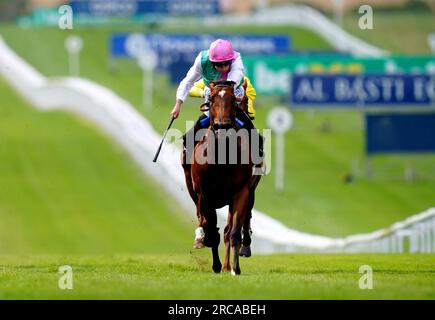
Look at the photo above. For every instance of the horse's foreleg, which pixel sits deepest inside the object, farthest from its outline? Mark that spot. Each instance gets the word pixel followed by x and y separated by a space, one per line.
pixel 207 234
pixel 240 210
pixel 217 266
pixel 245 250
pixel 227 232
pixel 199 232
pixel 187 167
pixel 212 237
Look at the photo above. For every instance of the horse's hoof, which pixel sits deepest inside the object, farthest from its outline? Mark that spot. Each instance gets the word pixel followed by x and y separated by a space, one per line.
pixel 199 238
pixel 199 243
pixel 217 268
pixel 235 272
pixel 245 251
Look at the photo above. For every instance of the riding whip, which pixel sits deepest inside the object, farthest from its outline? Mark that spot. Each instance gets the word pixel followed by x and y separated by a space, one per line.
pixel 161 143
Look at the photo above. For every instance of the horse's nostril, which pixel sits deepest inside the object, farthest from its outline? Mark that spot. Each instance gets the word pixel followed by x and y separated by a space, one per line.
pixel 222 125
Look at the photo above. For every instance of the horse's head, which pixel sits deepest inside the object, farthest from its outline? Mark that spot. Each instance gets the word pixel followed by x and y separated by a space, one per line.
pixel 222 104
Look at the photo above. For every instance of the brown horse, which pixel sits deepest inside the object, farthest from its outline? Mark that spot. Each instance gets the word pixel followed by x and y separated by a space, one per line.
pixel 213 183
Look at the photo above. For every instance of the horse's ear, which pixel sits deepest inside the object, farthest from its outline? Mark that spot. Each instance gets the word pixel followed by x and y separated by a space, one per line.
pixel 245 84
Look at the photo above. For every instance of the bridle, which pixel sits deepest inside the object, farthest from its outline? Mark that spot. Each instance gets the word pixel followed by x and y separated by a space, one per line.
pixel 208 105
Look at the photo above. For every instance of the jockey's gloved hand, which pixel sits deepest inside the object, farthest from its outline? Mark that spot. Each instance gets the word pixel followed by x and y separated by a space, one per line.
pixel 239 93
pixel 207 93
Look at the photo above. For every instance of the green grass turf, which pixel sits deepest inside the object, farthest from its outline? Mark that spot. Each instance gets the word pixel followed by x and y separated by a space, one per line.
pixel 64 188
pixel 400 32
pixel 189 276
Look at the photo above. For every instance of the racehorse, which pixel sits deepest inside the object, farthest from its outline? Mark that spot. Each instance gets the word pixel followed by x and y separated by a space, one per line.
pixel 212 184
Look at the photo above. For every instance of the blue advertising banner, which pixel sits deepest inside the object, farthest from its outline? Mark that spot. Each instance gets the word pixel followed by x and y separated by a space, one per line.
pixel 132 8
pixel 192 44
pixel 178 70
pixel 400 133
pixel 177 52
pixel 362 90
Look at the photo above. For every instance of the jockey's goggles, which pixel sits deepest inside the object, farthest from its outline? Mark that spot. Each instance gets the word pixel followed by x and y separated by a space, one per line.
pixel 223 63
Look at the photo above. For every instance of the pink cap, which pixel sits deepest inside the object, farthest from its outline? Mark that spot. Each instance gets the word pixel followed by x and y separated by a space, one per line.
pixel 221 50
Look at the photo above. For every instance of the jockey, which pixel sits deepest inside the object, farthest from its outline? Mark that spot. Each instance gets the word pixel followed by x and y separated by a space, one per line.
pixel 220 62
pixel 199 86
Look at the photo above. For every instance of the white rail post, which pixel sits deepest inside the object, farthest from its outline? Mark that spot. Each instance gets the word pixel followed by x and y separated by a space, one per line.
pixel 73 45
pixel 148 62
pixel 280 120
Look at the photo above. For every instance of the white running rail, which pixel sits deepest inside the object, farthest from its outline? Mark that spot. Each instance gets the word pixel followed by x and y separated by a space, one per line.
pixel 305 17
pixel 119 120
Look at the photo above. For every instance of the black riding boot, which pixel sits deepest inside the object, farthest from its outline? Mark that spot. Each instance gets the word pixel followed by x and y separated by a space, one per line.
pixel 247 124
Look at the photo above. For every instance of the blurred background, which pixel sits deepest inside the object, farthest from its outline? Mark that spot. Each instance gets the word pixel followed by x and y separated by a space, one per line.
pixel 358 157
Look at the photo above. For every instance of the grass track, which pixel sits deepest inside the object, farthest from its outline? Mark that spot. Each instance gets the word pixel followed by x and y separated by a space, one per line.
pixel 65 188
pixel 189 276
pixel 400 32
